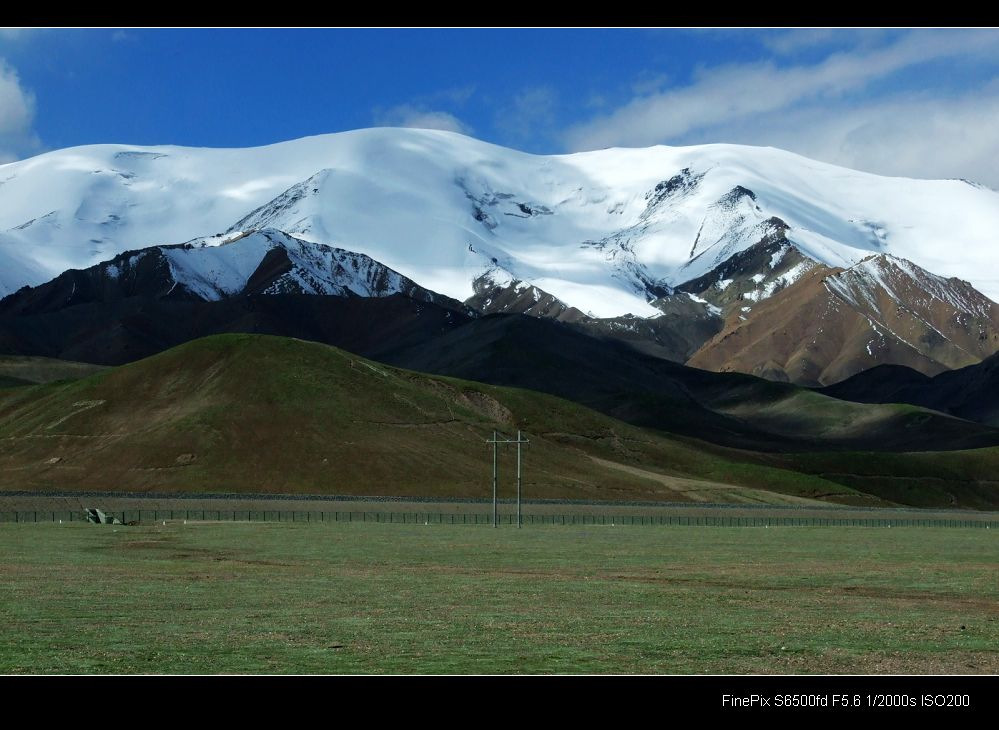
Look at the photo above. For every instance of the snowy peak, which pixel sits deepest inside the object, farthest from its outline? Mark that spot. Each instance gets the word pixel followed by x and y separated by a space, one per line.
pixel 608 231
pixel 946 320
pixel 732 223
pixel 296 211
pixel 452 235
pixel 263 262
pixel 271 262
pixel 496 292
pixel 687 239
pixel 754 274
pixel 668 193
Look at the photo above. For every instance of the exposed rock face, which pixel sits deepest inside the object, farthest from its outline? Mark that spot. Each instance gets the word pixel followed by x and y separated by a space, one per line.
pixel 947 320
pixel 495 294
pixel 834 323
pixel 678 187
pixel 752 275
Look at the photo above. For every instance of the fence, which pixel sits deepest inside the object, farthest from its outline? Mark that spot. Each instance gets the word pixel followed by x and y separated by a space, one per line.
pixel 147 516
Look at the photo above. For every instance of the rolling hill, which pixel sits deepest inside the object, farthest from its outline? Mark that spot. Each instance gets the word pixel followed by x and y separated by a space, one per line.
pixel 730 409
pixel 251 413
pixel 33 370
pixel 971 393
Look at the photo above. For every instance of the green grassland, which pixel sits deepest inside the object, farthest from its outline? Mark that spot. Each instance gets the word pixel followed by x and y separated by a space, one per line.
pixel 369 598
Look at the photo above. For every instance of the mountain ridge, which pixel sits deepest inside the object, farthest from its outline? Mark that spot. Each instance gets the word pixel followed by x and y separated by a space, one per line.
pixel 261 262
pixel 674 249
pixel 968 392
pixel 618 214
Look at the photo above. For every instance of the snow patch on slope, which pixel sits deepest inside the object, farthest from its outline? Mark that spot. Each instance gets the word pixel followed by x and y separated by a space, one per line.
pixel 779 282
pixel 215 272
pixel 903 281
pixel 713 309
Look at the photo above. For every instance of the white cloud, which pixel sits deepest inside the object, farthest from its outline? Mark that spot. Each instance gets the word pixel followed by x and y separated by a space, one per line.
pixel 530 114
pixel 14 34
pixel 17 113
pixel 419 117
pixel 456 95
pixel 648 83
pixel 790 42
pixel 916 135
pixel 822 110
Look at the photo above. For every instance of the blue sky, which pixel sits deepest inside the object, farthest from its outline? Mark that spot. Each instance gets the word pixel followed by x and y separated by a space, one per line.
pixel 923 103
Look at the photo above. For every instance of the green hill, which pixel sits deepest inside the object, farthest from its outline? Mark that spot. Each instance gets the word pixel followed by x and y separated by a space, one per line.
pixel 253 413
pixel 20 370
pixel 6 381
pixel 730 409
pixel 249 413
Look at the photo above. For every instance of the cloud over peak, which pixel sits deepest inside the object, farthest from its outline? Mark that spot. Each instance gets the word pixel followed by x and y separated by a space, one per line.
pixel 864 104
pixel 420 117
pixel 17 114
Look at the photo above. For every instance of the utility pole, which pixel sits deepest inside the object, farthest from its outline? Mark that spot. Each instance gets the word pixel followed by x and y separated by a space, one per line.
pixel 495 441
pixel 520 522
pixel 495 444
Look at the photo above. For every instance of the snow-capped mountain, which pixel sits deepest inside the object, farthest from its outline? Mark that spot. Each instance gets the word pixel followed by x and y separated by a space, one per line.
pixel 724 256
pixel 607 232
pixel 263 262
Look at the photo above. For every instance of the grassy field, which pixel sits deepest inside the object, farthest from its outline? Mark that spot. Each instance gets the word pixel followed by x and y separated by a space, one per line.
pixel 366 598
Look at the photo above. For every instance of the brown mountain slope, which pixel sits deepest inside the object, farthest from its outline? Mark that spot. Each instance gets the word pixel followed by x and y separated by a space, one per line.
pixel 834 323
